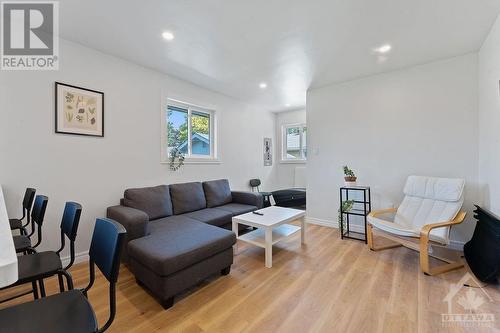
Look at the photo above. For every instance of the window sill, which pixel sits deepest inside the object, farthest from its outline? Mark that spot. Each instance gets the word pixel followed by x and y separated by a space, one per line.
pixel 293 161
pixel 197 161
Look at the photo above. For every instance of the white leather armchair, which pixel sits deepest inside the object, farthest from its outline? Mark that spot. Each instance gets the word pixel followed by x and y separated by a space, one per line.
pixel 429 209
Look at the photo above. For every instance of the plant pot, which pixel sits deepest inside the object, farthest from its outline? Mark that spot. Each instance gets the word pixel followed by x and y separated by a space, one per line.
pixel 349 179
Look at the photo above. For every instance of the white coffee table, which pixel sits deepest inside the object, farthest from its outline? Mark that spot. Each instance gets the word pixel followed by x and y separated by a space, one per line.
pixel 273 227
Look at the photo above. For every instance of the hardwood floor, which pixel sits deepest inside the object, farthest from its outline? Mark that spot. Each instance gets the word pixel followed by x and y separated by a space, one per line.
pixel 328 285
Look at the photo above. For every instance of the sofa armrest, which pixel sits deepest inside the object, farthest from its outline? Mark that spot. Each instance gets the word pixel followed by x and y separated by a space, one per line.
pixel 248 198
pixel 135 222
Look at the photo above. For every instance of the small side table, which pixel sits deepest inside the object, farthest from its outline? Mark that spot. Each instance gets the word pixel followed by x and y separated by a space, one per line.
pixel 360 208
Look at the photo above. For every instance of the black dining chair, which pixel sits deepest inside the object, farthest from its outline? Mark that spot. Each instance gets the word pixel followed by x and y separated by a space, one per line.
pixel 255 185
pixel 22 243
pixel 71 311
pixel 17 224
pixel 38 266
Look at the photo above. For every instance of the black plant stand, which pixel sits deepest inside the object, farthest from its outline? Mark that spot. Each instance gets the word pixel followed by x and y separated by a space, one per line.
pixel 360 208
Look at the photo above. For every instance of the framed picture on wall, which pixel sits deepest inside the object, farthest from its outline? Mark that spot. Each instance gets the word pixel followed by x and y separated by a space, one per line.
pixel 268 152
pixel 79 111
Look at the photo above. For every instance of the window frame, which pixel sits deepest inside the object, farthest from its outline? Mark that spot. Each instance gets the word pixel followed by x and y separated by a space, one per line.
pixel 190 158
pixel 284 148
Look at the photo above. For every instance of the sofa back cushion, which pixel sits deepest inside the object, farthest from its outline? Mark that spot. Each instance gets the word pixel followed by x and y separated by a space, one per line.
pixel 217 192
pixel 187 197
pixel 154 201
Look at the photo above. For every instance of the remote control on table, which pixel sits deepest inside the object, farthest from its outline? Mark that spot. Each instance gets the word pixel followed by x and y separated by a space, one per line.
pixel 258 213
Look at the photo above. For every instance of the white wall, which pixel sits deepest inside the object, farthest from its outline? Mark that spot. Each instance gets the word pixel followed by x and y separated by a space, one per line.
pixel 422 120
pixel 489 120
pixel 285 171
pixel 95 171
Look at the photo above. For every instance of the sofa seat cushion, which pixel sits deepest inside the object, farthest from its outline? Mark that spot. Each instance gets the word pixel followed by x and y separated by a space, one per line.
pixel 178 244
pixel 154 201
pixel 187 197
pixel 160 224
pixel 217 192
pixel 238 209
pixel 213 216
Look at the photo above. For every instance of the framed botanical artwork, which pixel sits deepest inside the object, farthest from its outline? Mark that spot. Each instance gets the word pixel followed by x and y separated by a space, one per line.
pixel 79 110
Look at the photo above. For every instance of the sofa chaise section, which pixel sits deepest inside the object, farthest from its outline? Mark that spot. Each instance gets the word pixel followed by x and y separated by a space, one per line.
pixel 182 253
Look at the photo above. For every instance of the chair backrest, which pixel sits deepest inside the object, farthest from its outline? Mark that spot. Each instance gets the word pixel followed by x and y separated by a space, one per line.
pixel 430 200
pixel 29 196
pixel 106 247
pixel 69 228
pixel 255 183
pixel 39 207
pixel 71 219
pixel 105 251
pixel 37 216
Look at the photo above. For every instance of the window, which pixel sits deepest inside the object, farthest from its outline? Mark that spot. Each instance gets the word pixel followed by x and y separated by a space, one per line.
pixel 294 143
pixel 190 129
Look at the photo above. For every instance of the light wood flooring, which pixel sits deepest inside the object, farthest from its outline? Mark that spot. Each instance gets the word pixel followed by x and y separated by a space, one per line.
pixel 328 285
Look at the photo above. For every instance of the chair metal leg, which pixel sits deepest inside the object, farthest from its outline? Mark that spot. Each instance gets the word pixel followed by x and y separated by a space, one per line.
pixel 35 289
pixel 69 279
pixel 42 288
pixel 61 283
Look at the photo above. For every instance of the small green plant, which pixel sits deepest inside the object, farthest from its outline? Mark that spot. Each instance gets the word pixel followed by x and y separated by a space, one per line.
pixel 176 159
pixel 348 172
pixel 346 206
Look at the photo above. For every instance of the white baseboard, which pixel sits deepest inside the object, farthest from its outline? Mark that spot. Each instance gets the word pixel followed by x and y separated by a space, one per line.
pixel 321 222
pixel 79 258
pixel 332 224
pixel 454 244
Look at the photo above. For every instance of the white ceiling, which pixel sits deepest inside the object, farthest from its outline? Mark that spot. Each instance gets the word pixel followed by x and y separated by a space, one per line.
pixel 231 46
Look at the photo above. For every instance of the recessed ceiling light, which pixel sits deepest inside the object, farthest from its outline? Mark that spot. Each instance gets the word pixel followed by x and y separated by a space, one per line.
pixel 383 49
pixel 287 105
pixel 167 35
pixel 262 85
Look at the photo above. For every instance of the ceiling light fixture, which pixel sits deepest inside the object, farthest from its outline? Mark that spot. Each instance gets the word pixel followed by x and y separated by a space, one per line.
pixel 287 105
pixel 262 85
pixel 167 35
pixel 383 49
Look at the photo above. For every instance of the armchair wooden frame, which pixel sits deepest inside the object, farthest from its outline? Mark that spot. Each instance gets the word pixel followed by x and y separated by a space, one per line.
pixel 420 244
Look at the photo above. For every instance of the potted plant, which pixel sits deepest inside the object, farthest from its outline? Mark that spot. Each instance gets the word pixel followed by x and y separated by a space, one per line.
pixel 349 175
pixel 346 207
pixel 176 159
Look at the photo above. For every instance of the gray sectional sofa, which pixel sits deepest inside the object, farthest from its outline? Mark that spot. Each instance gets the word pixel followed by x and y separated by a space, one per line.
pixel 178 235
